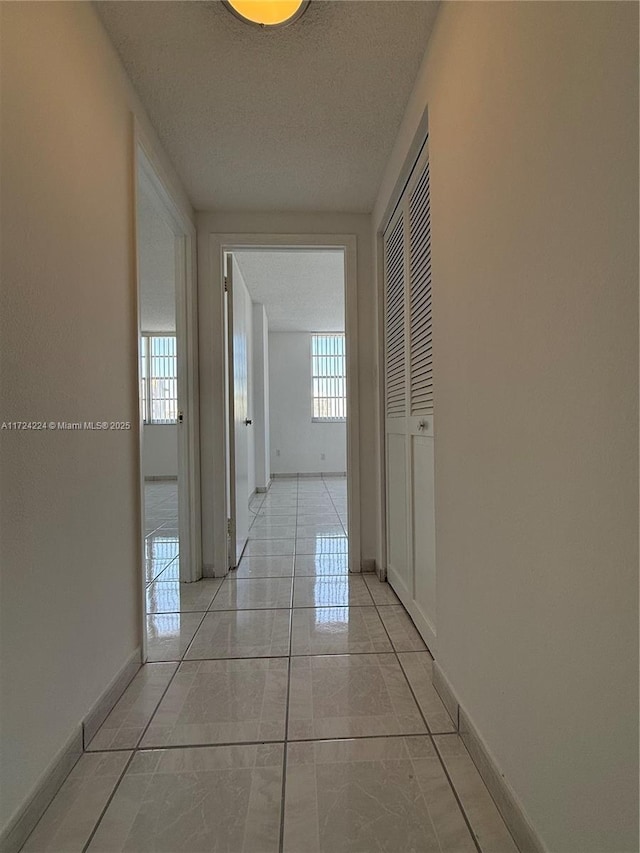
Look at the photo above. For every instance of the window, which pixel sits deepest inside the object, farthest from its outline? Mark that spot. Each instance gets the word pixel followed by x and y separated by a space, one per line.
pixel 329 378
pixel 158 379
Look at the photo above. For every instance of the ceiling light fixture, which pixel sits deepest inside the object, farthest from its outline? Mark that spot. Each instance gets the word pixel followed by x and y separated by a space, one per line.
pixel 267 13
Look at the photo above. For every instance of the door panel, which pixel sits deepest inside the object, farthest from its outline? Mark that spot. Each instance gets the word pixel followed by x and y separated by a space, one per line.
pixel 397 505
pixel 409 403
pixel 238 373
pixel 424 534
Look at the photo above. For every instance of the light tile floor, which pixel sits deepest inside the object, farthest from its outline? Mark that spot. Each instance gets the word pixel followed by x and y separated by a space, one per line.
pixel 287 708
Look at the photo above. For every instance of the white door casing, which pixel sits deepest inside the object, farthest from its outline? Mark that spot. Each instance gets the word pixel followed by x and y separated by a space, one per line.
pixel 215 474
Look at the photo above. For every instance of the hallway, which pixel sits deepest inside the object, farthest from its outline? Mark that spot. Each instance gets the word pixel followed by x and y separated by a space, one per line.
pixel 292 710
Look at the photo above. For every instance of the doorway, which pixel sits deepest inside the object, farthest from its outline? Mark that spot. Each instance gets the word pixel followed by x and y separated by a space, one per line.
pixel 301 415
pixel 287 400
pixel 169 482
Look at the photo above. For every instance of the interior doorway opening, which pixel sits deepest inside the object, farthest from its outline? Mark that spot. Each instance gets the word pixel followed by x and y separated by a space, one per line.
pixel 169 481
pixel 289 397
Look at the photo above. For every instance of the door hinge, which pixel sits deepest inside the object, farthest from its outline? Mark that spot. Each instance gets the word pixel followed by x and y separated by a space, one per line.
pixel 226 284
pixel 229 527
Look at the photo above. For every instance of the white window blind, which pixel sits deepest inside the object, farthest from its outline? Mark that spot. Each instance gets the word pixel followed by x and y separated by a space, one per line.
pixel 159 379
pixel 329 377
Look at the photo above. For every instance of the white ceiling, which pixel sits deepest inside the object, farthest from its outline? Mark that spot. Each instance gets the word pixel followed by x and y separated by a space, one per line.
pixel 156 264
pixel 302 291
pixel 299 118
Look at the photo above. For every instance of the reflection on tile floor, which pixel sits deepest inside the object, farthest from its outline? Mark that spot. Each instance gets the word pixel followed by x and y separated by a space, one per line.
pixel 161 530
pixel 193 758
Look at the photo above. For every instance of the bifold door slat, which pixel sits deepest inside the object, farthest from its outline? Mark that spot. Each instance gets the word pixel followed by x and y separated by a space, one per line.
pixel 420 307
pixel 395 390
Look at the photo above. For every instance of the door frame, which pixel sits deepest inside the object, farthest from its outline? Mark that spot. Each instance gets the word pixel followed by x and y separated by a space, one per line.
pixel 218 245
pixel 148 168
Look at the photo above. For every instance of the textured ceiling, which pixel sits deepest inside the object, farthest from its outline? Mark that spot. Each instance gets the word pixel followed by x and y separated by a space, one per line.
pixel 156 264
pixel 302 291
pixel 299 118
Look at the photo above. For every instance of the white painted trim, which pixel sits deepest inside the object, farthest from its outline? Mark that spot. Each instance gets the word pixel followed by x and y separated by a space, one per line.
pixel 148 166
pixel 22 825
pixel 509 806
pixel 213 275
pixel 445 691
pixel 105 703
pixel 24 822
pixel 392 187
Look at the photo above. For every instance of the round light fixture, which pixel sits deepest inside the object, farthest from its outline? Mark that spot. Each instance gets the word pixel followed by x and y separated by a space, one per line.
pixel 267 13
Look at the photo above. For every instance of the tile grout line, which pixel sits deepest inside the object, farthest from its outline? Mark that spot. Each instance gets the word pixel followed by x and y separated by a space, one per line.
pixel 430 735
pixel 285 750
pixel 346 530
pixel 456 795
pixel 137 748
pixel 205 745
pixel 109 801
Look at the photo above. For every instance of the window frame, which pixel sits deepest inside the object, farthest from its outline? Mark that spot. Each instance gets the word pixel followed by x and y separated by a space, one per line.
pixel 343 376
pixel 145 377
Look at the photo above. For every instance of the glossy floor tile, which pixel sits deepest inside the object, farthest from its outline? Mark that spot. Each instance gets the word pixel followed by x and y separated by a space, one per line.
pixel 169 634
pixel 381 593
pixel 194 800
pixel 176 597
pixel 337 630
pixel 350 696
pixel 487 824
pixel 241 634
pixel 401 630
pixel 67 824
pixel 382 794
pixel 310 565
pixel 253 594
pixel 171 572
pixel 320 545
pixel 126 723
pixel 289 660
pixel 222 701
pixel 270 547
pixel 263 567
pixel 328 591
pixel 418 667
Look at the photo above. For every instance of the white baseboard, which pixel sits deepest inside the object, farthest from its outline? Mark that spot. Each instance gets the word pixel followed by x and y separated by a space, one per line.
pixel 505 798
pixel 302 474
pixel 161 478
pixel 23 823
pixel 445 691
pixel 102 708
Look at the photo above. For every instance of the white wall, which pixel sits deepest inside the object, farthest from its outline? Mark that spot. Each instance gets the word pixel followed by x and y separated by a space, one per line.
pixel 533 120
pixel 260 378
pixel 70 518
pixel 297 444
pixel 212 370
pixel 160 450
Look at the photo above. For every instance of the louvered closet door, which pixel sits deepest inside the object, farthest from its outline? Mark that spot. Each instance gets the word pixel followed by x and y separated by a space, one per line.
pixel 409 417
pixel 396 395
